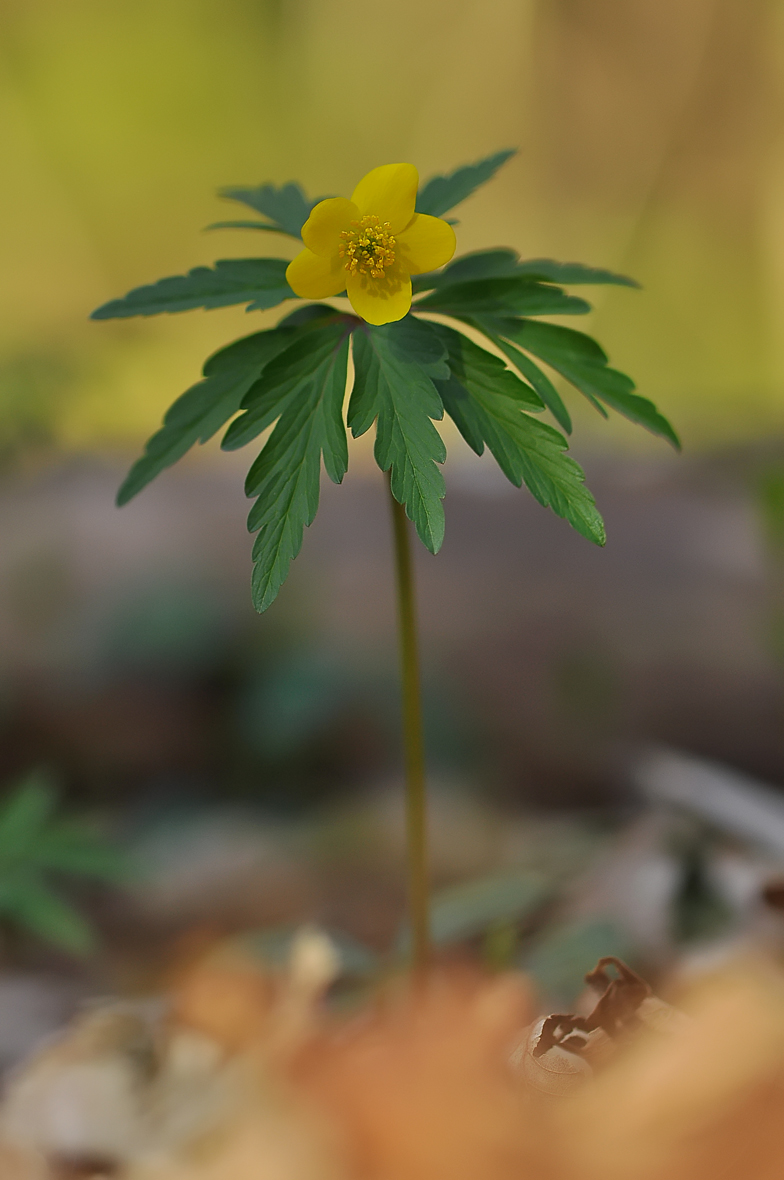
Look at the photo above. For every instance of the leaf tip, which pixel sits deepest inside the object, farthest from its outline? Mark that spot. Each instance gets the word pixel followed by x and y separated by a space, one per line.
pixel 126 491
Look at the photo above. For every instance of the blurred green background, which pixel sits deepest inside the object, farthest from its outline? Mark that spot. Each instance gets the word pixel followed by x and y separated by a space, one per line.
pixel 650 139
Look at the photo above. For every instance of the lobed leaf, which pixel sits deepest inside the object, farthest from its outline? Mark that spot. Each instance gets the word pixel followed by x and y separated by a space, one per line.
pixel 442 193
pixel 583 363
pixel 504 296
pixel 207 406
pixel 287 207
pixel 480 264
pixel 394 369
pixel 259 282
pixel 572 273
pixel 531 371
pixel 306 391
pixel 486 409
pixel 505 263
pixel 300 362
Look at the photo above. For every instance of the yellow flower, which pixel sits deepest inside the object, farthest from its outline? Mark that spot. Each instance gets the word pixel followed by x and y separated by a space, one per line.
pixel 371 245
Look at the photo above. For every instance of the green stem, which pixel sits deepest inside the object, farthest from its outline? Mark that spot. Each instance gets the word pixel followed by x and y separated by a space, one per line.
pixel 416 804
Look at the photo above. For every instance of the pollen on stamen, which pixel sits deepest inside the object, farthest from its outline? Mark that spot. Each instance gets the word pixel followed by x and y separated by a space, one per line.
pixel 368 247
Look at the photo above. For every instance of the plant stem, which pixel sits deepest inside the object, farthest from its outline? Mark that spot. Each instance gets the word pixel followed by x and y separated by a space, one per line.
pixel 416 804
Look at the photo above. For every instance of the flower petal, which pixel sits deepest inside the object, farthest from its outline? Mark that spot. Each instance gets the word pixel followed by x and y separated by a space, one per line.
pixel 425 244
pixel 380 301
pixel 321 232
pixel 390 193
pixel 313 277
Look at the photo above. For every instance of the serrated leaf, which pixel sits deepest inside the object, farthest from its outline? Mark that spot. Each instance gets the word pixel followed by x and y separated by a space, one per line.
pixel 480 264
pixel 394 366
pixel 442 193
pixel 259 282
pixel 505 263
pixel 539 380
pixel 502 296
pixel 207 406
pixel 526 450
pixel 492 375
pixel 582 362
pixel 306 359
pixel 557 342
pixel 572 273
pixel 285 476
pixel 287 207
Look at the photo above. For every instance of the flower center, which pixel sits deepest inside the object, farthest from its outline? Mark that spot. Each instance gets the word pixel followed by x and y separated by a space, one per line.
pixel 368 247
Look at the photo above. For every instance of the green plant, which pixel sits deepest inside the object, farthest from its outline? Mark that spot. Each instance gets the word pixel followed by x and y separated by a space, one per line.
pixel 37 848
pixel 409 371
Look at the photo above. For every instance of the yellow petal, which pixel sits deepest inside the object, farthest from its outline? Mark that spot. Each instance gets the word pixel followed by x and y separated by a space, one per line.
pixel 425 244
pixel 380 301
pixel 313 277
pixel 321 232
pixel 390 193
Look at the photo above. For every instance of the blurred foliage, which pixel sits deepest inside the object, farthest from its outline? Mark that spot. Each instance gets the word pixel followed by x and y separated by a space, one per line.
pixel 37 850
pixel 770 501
pixel 560 958
pixel 700 912
pixel 165 629
pixel 649 137
pixel 492 903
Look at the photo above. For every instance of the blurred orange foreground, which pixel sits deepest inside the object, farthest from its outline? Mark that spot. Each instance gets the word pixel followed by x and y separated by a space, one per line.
pixel 419 1086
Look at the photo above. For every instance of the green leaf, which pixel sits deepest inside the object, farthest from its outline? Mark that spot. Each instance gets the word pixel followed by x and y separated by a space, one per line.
pixel 307 358
pixel 259 282
pixel 501 297
pixel 71 847
pixel 287 207
pixel 505 263
pixel 582 362
pixel 480 264
pixel 285 477
pixel 560 958
pixel 572 273
pixel 485 410
pixel 442 193
pixel 539 380
pixel 467 910
pixel 393 370
pixel 24 814
pixel 263 225
pixel 32 904
pixel 207 406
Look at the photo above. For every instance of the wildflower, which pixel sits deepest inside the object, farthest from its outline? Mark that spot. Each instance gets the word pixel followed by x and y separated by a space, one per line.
pixel 371 245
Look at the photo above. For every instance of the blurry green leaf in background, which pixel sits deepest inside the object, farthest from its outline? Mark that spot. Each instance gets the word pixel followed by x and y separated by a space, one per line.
pixel 469 910
pixel 560 959
pixel 38 849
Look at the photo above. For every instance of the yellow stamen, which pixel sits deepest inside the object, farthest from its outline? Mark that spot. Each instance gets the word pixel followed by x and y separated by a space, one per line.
pixel 368 247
